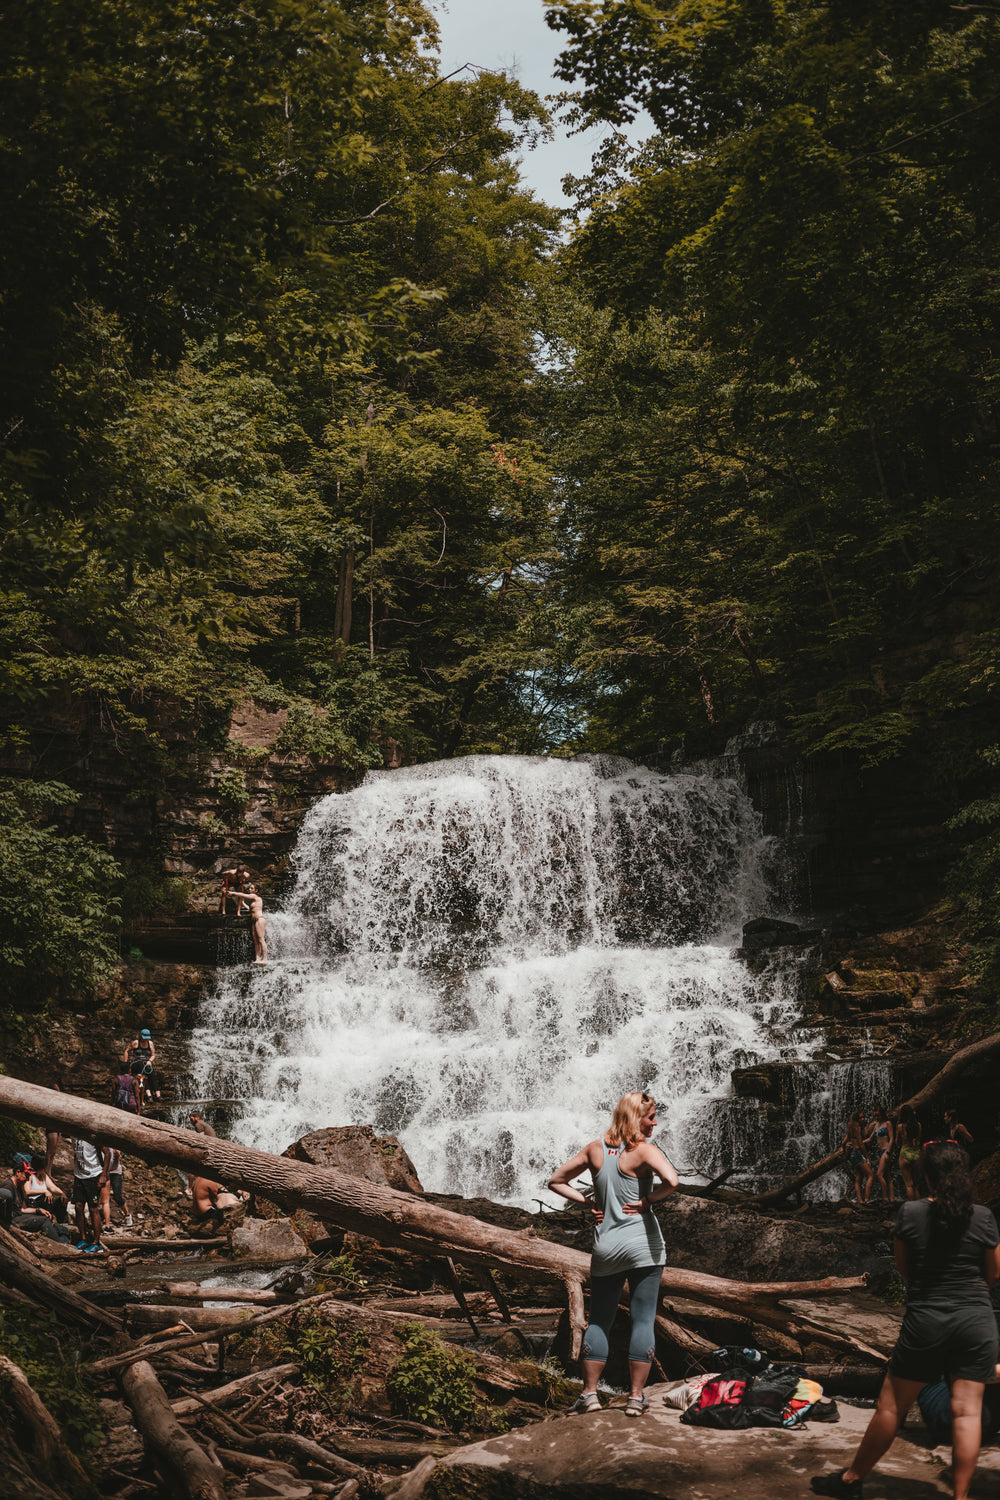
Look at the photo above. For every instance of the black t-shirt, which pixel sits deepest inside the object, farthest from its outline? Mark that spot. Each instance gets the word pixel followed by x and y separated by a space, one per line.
pixel 945 1270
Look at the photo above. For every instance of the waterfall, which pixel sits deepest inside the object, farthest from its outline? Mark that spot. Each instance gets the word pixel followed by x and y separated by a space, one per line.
pixel 481 955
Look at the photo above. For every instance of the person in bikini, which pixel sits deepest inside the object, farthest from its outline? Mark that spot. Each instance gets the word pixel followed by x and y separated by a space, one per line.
pixel 882 1134
pixel 258 924
pixel 854 1145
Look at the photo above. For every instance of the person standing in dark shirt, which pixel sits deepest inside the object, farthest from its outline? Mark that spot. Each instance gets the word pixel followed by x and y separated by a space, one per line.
pixel 948 1253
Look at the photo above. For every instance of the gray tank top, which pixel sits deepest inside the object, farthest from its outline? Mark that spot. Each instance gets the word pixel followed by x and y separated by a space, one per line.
pixel 623 1242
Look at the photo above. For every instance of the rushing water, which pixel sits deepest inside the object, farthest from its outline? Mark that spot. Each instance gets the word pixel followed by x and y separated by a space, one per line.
pixel 481 955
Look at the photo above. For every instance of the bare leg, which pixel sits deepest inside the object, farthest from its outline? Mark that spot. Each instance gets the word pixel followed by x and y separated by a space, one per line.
pixel 966 1433
pixel 591 1374
pixel 638 1372
pixel 895 1399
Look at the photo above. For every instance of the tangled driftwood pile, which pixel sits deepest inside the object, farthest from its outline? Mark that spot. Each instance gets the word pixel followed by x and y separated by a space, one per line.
pixel 264 1433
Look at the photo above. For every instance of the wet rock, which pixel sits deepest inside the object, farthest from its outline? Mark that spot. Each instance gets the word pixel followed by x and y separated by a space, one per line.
pixel 719 1238
pixel 358 1150
pixel 260 1239
pixel 772 932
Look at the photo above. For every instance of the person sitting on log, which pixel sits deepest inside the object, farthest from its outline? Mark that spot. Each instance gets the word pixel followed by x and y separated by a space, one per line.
pixel 628 1242
pixel 41 1192
pixel 33 1218
pixel 200 1124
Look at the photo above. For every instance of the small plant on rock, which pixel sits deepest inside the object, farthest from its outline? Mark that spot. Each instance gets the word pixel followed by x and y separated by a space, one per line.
pixel 432 1383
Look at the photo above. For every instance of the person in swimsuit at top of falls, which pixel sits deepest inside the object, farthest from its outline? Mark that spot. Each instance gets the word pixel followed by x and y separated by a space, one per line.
pixel 234 883
pixel 908 1133
pixel 628 1242
pixel 258 924
pixel 882 1134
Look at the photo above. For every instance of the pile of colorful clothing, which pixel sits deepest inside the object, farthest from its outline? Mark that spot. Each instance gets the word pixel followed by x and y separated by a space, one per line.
pixel 742 1388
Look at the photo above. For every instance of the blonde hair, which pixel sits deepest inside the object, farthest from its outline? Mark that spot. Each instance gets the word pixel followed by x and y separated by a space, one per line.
pixel 629 1111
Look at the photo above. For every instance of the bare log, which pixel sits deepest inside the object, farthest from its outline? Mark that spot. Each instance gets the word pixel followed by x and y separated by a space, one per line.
pixel 957 1063
pixel 115 1362
pixel 17 1270
pixel 302 1447
pixel 694 1345
pixel 795 1184
pixel 193 1291
pixel 577 1318
pixel 412 1485
pixel 224 1394
pixel 404 1220
pixel 144 1316
pixel 48 1439
pixel 134 1242
pixel 174 1447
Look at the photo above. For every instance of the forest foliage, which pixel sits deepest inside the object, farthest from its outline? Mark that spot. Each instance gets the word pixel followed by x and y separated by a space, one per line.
pixel 307 400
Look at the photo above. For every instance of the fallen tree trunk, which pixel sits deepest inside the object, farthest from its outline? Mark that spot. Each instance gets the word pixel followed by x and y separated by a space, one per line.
pixel 17 1270
pixel 931 1090
pixel 174 1447
pixel 957 1063
pixel 404 1220
pixel 224 1394
pixel 193 1291
pixel 795 1184
pixel 121 1361
pixel 48 1439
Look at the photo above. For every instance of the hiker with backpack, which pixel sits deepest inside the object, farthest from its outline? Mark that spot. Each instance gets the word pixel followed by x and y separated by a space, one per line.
pixel 125 1093
pixel 947 1252
pixel 628 1242
pixel 139 1058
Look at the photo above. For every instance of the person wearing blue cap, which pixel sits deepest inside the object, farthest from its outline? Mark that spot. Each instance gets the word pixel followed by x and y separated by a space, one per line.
pixel 139 1057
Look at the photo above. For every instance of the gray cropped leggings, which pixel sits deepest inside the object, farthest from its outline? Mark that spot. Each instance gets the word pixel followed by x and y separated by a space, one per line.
pixel 605 1292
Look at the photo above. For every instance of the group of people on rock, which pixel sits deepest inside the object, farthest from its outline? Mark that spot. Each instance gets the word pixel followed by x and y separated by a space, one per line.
pixel 874 1148
pixel 237 886
pixel 946 1249
pixel 32 1200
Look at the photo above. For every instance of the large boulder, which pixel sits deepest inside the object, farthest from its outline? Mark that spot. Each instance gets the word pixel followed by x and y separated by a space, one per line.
pixel 358 1150
pixel 268 1239
pixel 726 1240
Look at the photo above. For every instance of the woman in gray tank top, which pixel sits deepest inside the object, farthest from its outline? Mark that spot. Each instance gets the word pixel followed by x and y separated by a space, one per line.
pixel 628 1243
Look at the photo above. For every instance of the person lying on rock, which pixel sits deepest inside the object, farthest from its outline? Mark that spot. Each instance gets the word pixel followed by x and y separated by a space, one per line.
pixel 210 1199
pixel 628 1242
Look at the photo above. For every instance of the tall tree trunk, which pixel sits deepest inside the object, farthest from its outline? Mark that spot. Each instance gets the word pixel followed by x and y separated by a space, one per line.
pixel 345 596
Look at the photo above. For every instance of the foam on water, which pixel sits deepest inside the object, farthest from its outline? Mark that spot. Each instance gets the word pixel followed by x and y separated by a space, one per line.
pixel 482 955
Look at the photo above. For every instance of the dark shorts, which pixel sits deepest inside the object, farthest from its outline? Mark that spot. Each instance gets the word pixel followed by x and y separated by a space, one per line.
pixel 857 1158
pixel 115 1179
pixel 961 1344
pixel 87 1190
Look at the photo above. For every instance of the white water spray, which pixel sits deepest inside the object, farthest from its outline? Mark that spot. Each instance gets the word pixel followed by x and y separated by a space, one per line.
pixel 481 955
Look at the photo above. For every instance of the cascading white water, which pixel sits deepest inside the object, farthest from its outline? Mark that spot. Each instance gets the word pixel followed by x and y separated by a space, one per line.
pixel 481 955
